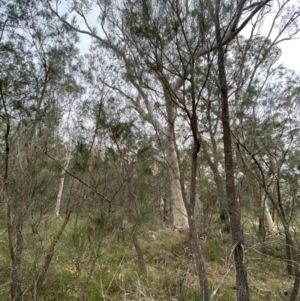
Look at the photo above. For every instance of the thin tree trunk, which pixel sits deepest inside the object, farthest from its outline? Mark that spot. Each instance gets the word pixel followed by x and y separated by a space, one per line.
pixel 198 254
pixel 139 253
pixel 92 268
pixel 262 221
pixel 61 185
pixel 16 274
pixel 190 207
pixel 15 253
pixel 289 262
pixel 197 251
pixel 51 249
pixel 242 292
pixel 281 214
pixel 17 226
pixel 213 164
pixel 294 257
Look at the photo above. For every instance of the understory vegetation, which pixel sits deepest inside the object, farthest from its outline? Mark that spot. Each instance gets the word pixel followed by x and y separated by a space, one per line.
pixel 169 272
pixel 149 150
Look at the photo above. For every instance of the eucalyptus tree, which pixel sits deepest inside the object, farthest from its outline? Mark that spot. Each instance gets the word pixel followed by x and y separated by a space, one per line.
pixel 36 66
pixel 267 147
pixel 160 49
pixel 112 35
pixel 233 204
pixel 253 65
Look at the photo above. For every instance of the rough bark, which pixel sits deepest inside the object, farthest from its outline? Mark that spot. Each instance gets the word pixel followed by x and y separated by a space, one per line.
pixel 196 246
pixel 198 254
pixel 242 292
pixel 139 253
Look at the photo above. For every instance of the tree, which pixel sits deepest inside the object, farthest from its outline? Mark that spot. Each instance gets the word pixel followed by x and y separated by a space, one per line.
pixel 161 45
pixel 112 26
pixel 233 205
pixel 268 159
pixel 35 71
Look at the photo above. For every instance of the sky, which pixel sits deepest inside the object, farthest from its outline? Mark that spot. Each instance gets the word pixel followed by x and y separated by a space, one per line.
pixel 291 54
pixel 290 48
pixel 290 51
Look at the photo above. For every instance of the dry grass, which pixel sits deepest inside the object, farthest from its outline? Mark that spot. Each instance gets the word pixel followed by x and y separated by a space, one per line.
pixel 168 261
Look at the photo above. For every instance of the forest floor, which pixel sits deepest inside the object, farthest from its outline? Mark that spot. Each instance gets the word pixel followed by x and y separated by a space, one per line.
pixel 169 272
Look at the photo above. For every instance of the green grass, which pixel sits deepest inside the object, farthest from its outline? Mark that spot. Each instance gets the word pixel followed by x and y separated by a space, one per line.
pixel 167 256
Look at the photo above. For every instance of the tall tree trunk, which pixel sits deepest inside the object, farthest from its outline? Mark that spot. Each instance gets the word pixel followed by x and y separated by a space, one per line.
pixel 224 216
pixel 198 254
pixel 242 293
pixel 197 251
pixel 295 264
pixel 180 220
pixel 15 227
pixel 190 206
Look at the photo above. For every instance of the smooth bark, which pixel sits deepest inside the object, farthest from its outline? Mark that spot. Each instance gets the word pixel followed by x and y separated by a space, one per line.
pixel 180 220
pixel 61 186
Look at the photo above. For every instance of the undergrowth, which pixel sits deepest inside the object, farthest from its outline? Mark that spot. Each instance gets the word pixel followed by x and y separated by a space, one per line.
pixel 169 267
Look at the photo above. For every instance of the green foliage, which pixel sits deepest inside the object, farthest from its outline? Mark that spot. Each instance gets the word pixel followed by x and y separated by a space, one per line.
pixel 142 211
pixel 165 252
pixel 147 47
pixel 80 158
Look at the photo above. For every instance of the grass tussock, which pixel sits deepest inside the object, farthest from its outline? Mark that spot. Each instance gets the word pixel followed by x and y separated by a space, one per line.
pixel 169 266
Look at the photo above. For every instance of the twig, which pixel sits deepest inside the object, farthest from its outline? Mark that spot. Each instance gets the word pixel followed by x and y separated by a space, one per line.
pixel 75 177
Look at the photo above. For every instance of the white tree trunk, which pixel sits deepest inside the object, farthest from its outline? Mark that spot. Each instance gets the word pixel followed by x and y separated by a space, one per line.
pixel 179 211
pixel 61 186
pixel 180 220
pixel 268 221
